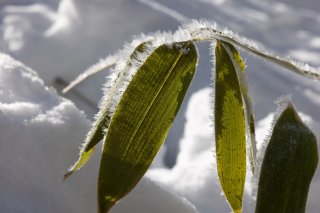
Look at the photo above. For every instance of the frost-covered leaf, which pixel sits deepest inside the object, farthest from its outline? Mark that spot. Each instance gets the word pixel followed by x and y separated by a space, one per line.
pixel 288 166
pixel 239 66
pixel 206 31
pixel 230 133
pixel 103 118
pixel 143 118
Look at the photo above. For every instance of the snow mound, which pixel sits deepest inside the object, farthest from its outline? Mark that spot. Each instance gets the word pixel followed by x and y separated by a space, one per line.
pixel 40 132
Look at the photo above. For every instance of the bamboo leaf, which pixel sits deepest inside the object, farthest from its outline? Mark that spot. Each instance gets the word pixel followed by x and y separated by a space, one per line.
pixel 234 55
pixel 143 118
pixel 102 122
pixel 230 131
pixel 239 66
pixel 288 166
pixel 212 32
pixel 296 67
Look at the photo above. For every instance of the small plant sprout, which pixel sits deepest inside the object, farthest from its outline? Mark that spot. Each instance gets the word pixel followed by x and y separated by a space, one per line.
pixel 142 97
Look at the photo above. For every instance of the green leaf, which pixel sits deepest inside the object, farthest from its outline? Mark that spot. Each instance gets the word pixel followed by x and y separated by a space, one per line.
pixel 102 122
pixel 230 131
pixel 235 55
pixel 210 33
pixel 240 66
pixel 288 166
pixel 143 118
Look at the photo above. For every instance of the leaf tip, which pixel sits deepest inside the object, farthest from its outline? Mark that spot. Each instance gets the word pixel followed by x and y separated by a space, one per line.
pixel 67 175
pixel 66 90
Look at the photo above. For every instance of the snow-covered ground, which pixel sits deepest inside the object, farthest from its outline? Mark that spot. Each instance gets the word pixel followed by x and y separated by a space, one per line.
pixel 40 131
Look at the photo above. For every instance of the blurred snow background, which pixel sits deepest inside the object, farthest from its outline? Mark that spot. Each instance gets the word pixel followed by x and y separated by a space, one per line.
pixel 40 130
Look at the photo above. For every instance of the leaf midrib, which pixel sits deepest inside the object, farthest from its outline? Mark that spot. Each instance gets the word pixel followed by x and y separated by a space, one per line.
pixel 148 109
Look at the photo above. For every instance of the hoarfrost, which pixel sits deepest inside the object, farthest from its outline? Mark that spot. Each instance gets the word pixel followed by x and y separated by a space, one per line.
pixel 205 30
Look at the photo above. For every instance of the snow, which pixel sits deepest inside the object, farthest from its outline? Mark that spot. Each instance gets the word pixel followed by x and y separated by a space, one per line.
pixel 38 133
pixel 41 131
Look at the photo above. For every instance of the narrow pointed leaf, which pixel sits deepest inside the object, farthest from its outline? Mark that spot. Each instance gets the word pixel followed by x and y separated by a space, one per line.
pixel 212 32
pixel 143 118
pixel 239 65
pixel 288 166
pixel 230 131
pixel 102 122
pixel 102 65
pixel 235 55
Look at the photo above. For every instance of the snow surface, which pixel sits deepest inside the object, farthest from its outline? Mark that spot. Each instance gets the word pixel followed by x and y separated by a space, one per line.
pixel 40 130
